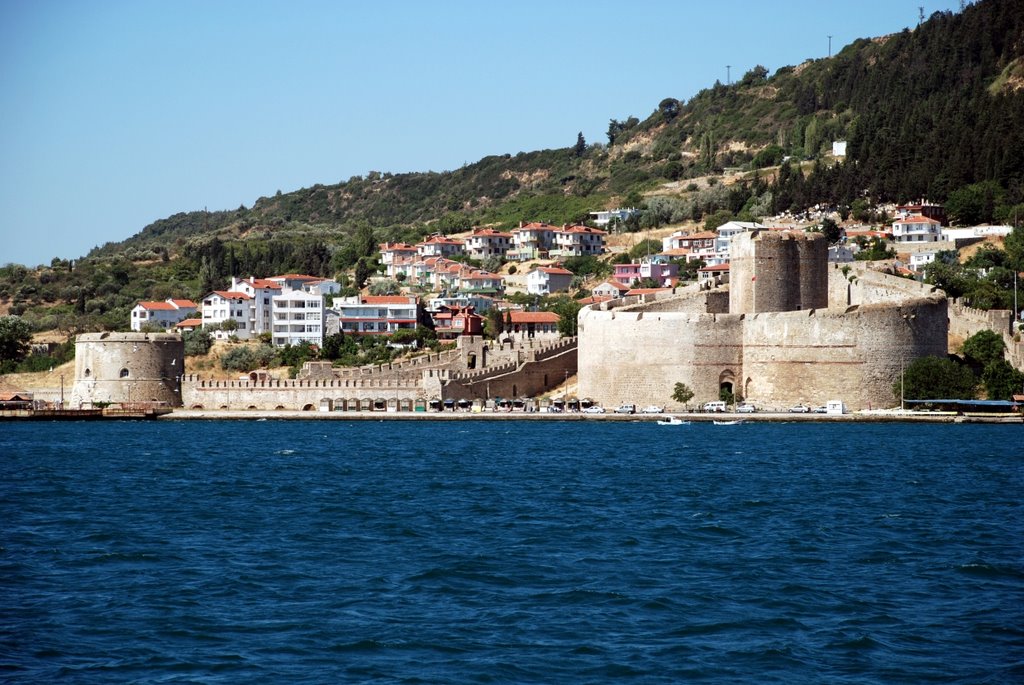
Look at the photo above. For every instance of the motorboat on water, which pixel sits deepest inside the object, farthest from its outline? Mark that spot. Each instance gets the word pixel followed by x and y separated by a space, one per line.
pixel 672 421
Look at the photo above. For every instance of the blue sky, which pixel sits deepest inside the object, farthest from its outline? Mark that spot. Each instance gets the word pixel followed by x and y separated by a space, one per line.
pixel 118 113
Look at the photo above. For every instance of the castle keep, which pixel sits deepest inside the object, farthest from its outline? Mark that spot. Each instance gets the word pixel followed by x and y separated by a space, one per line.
pixel 792 330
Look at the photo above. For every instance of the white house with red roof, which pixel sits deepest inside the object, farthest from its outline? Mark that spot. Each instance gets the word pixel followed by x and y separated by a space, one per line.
pixel 578 241
pixel 377 315
pixel 440 246
pixel 544 280
pixel 487 242
pixel 468 279
pixel 916 229
pixel 532 241
pixel 162 315
pixel 223 305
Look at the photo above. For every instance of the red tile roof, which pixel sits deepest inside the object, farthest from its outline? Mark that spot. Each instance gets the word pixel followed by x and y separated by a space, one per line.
pixel 183 303
pixel 387 299
pixel 534 317
pixel 554 270
pixel 582 229
pixel 189 323
pixel 916 219
pixel 648 291
pixel 616 284
pixel 158 306
pixel 228 295
pixel 264 283
pixel 716 267
pixel 491 233
pixel 295 277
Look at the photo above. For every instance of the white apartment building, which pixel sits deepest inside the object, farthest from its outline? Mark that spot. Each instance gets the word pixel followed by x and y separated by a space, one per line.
pixel 223 305
pixel 376 315
pixel 532 241
pixel 603 218
pixel 440 246
pixel 579 241
pixel 298 318
pixel 916 229
pixel 262 292
pixel 487 242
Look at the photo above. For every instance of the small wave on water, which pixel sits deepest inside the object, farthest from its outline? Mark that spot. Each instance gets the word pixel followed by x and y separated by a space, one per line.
pixel 533 552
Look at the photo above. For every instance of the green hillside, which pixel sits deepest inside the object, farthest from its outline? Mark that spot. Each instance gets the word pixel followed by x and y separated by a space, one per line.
pixel 936 112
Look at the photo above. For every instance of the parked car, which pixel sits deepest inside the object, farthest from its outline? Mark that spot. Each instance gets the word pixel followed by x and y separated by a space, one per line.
pixel 594 410
pixel 800 409
pixel 746 409
pixel 713 406
pixel 652 409
pixel 820 410
pixel 626 409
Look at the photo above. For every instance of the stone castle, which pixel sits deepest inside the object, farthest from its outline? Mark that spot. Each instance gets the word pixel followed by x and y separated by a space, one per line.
pixel 790 329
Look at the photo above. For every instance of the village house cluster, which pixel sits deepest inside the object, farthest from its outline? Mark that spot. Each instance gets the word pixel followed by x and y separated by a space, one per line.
pixel 297 308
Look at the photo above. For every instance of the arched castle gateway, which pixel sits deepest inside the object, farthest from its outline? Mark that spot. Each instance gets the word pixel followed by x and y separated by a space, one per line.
pixel 790 329
pixel 128 368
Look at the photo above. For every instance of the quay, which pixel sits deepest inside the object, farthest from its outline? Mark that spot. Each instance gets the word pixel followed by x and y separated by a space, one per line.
pixel 694 417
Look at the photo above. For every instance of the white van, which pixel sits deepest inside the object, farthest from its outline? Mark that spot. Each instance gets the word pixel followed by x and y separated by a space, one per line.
pixel 713 406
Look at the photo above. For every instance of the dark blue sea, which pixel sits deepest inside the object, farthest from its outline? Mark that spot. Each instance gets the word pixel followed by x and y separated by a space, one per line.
pixel 510 552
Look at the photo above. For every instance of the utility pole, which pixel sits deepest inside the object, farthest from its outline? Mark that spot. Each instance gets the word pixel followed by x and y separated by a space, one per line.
pixel 830 46
pixel 920 15
pixel 728 77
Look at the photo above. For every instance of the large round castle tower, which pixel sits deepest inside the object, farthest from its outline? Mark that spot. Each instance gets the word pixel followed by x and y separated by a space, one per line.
pixel 128 368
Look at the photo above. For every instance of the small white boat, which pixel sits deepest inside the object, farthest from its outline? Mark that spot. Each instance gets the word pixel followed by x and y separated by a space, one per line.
pixel 672 421
pixel 728 423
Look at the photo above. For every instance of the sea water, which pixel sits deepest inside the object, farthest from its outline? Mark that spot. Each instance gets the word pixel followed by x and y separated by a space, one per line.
pixel 510 552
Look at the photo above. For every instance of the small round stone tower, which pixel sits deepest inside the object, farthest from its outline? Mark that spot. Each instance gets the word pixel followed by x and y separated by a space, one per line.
pixel 128 368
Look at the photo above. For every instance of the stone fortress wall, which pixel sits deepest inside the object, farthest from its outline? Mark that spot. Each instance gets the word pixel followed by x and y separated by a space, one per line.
pixel 851 345
pixel 126 368
pixel 478 368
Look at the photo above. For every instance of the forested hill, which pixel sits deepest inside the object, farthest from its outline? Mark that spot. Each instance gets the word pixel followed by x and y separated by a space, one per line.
pixel 927 112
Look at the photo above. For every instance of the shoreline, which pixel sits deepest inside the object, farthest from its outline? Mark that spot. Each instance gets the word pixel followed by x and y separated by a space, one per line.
pixel 694 417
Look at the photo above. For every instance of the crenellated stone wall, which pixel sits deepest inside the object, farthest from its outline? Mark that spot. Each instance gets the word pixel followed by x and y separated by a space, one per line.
pixel 478 368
